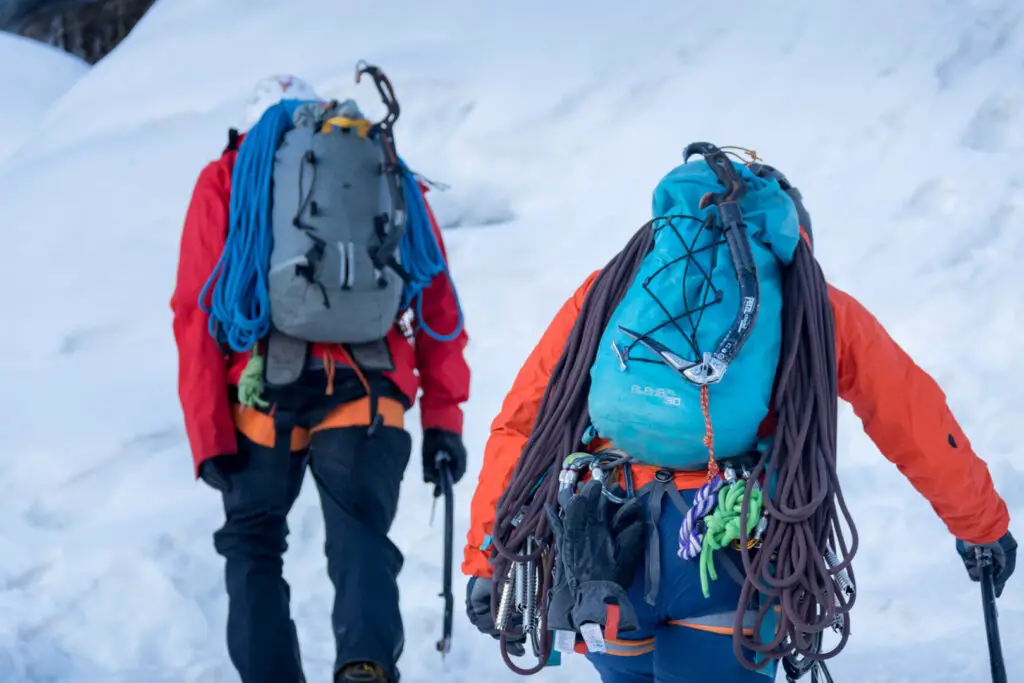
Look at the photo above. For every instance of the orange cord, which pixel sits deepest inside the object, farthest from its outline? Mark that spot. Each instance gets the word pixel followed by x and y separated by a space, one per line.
pixel 329 369
pixel 352 364
pixel 709 434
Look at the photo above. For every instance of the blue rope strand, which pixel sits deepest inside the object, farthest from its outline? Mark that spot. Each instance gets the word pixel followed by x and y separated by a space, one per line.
pixel 236 295
pixel 422 257
pixel 239 306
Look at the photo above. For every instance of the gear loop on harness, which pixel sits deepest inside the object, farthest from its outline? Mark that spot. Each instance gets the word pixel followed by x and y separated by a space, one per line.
pixel 602 466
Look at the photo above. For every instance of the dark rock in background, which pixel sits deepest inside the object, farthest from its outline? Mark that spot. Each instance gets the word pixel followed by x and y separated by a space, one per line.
pixel 89 29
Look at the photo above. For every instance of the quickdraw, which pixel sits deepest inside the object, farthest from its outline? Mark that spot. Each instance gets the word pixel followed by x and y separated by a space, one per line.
pixel 521 594
pixel 604 466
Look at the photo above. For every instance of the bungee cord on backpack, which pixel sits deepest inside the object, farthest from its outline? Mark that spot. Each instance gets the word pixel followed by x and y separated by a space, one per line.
pixel 797 565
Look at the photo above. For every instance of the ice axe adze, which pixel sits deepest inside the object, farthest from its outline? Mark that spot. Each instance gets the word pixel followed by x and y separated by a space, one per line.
pixel 443 462
pixel 988 602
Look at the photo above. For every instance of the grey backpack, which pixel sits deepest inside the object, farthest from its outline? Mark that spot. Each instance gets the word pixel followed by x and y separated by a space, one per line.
pixel 337 218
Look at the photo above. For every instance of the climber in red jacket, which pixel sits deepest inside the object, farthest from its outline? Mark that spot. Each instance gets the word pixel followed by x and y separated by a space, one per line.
pixel 358 470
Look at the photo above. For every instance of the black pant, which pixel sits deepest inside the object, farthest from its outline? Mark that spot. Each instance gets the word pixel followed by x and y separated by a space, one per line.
pixel 358 477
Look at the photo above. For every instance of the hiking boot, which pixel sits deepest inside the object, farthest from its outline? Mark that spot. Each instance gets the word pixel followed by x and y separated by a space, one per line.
pixel 362 672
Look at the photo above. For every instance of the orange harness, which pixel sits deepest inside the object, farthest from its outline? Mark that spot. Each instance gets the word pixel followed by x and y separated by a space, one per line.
pixel 259 427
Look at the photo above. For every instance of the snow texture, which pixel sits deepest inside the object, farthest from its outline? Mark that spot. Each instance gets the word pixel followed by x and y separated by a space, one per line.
pixel 901 122
pixel 32 77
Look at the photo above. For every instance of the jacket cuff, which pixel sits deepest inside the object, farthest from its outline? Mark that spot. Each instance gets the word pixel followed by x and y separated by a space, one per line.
pixel 448 419
pixel 223 443
pixel 476 563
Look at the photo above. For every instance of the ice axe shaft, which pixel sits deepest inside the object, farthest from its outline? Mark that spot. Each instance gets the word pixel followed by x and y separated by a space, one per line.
pixel 445 488
pixel 988 602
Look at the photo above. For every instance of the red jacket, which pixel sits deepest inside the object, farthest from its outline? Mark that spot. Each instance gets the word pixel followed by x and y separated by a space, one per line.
pixel 204 371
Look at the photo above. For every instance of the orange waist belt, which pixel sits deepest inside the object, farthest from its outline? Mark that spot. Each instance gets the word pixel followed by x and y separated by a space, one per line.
pixel 259 427
pixel 644 474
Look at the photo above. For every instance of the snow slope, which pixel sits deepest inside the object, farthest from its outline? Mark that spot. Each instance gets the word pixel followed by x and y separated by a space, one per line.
pixel 902 123
pixel 32 77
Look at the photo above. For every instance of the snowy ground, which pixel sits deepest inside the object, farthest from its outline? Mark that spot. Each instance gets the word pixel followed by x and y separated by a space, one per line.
pixel 904 128
pixel 32 77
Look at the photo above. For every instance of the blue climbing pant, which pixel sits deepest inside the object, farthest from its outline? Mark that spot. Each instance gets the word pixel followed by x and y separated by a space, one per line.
pixel 678 640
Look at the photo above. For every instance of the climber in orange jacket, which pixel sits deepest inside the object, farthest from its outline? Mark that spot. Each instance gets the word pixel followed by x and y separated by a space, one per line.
pixel 903 411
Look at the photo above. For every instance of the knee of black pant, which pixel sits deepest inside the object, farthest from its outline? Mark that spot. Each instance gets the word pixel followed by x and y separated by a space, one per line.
pixel 360 476
pixel 252 534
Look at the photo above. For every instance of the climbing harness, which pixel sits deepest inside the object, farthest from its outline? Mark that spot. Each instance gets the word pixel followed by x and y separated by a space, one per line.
pixel 603 467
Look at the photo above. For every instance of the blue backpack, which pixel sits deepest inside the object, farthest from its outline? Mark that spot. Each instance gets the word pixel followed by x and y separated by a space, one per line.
pixel 698 333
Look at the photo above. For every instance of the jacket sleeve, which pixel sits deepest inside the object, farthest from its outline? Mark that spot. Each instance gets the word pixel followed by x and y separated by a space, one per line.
pixel 442 366
pixel 511 429
pixel 202 367
pixel 905 413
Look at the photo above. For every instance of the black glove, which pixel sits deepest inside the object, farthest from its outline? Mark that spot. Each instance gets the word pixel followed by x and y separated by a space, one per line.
pixel 478 608
pixel 437 441
pixel 216 471
pixel 1004 559
pixel 599 543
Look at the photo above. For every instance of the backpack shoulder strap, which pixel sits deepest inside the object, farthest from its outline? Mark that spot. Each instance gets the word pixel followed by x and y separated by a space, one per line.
pixel 233 137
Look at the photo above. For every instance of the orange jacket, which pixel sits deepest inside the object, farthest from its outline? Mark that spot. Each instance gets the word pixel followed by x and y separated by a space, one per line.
pixel 902 408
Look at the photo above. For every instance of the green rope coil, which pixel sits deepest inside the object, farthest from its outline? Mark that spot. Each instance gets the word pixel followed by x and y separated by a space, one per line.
pixel 250 384
pixel 722 526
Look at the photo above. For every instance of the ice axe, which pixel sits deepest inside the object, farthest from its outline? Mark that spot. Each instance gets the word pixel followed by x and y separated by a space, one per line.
pixel 444 487
pixel 988 602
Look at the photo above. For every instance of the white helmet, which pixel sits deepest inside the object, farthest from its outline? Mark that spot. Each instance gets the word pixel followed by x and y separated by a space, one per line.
pixel 271 90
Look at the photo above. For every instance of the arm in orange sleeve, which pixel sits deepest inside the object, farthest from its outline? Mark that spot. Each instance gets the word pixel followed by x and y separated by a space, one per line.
pixel 905 413
pixel 511 429
pixel 202 368
pixel 442 366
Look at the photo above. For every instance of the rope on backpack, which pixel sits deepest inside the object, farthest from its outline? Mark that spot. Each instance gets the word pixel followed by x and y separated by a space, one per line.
pixel 804 504
pixel 236 295
pixel 239 303
pixel 422 257
pixel 561 422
